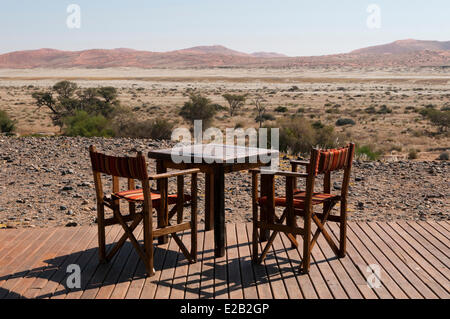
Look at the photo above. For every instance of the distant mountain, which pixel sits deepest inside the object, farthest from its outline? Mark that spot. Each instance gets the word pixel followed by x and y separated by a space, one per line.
pixel 410 53
pixel 405 46
pixel 268 55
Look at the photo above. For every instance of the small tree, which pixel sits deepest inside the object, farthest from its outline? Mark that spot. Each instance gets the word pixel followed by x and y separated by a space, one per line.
pixel 198 108
pixel 235 101
pixel 65 99
pixel 261 116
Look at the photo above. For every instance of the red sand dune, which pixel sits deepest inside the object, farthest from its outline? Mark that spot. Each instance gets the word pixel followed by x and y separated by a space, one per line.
pixel 411 53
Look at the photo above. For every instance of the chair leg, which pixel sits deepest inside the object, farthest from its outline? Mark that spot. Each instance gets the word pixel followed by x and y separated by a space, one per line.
pixel 306 244
pixel 101 232
pixel 194 218
pixel 255 236
pixel 148 244
pixel 343 230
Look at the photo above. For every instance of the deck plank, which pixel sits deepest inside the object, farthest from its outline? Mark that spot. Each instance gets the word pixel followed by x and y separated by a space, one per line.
pixel 55 282
pixel 167 273
pixel 262 281
pixel 287 272
pixel 234 269
pixel 245 262
pixel 417 263
pixel 12 265
pixel 362 259
pixel 52 265
pixel 192 289
pixel 41 259
pixel 398 261
pixel 115 271
pixel 426 241
pixel 150 284
pixel 387 264
pixel 420 247
pixel 413 257
pixel 340 273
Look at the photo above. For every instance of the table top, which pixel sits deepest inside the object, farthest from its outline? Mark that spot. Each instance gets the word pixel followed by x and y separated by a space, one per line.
pixel 215 154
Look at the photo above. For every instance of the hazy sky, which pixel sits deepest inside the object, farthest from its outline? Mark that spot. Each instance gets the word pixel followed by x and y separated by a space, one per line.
pixel 292 27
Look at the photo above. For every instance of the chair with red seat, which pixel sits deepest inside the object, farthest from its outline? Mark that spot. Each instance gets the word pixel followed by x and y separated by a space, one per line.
pixel 135 168
pixel 298 202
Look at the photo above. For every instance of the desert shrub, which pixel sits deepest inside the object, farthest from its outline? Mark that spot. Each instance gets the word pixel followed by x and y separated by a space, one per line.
pixel 219 107
pixel 264 117
pixel 83 124
pixel 156 129
pixel 367 152
pixel 438 118
pixel 384 110
pixel 444 156
pixel 198 108
pixel 370 110
pixel 281 109
pixel 343 121
pixel 298 135
pixel 413 154
pixel 7 125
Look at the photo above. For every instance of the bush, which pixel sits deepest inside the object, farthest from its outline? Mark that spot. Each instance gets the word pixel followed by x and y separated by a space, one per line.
pixel 438 118
pixel 342 122
pixel 198 108
pixel 384 110
pixel 413 154
pixel 66 98
pixel 281 109
pixel 6 124
pixel 367 152
pixel 157 129
pixel 299 135
pixel 445 156
pixel 83 124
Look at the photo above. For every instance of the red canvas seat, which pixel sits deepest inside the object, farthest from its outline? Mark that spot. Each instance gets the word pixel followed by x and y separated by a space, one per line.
pixel 137 195
pixel 299 199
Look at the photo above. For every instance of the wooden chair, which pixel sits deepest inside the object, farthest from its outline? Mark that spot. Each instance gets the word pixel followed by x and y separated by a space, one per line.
pixel 135 168
pixel 301 203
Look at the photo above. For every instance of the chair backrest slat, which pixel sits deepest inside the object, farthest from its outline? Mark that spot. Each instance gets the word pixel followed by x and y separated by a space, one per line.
pixel 126 167
pixel 333 159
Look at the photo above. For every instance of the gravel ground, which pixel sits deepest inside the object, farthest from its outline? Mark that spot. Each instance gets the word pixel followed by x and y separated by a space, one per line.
pixel 47 182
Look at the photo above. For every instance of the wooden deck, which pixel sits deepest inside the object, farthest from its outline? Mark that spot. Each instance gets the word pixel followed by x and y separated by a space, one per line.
pixel 413 258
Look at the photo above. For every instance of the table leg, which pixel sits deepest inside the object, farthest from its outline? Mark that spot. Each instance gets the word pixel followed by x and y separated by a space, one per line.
pixel 162 210
pixel 219 211
pixel 209 201
pixel 267 213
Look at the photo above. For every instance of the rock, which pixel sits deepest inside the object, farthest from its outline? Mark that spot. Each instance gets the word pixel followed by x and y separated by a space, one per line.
pixel 71 224
pixel 62 207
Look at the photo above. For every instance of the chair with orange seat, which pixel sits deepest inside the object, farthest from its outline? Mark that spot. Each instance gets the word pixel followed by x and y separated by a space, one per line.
pixel 298 202
pixel 135 168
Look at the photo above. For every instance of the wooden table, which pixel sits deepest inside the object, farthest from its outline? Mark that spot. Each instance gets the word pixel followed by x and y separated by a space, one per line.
pixel 215 160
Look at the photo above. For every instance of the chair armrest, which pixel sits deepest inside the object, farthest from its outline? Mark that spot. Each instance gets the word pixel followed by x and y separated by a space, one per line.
pixel 280 173
pixel 174 174
pixel 302 163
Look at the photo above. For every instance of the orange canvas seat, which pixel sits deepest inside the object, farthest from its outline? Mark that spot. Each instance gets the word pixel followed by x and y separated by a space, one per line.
pixel 299 199
pixel 137 195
